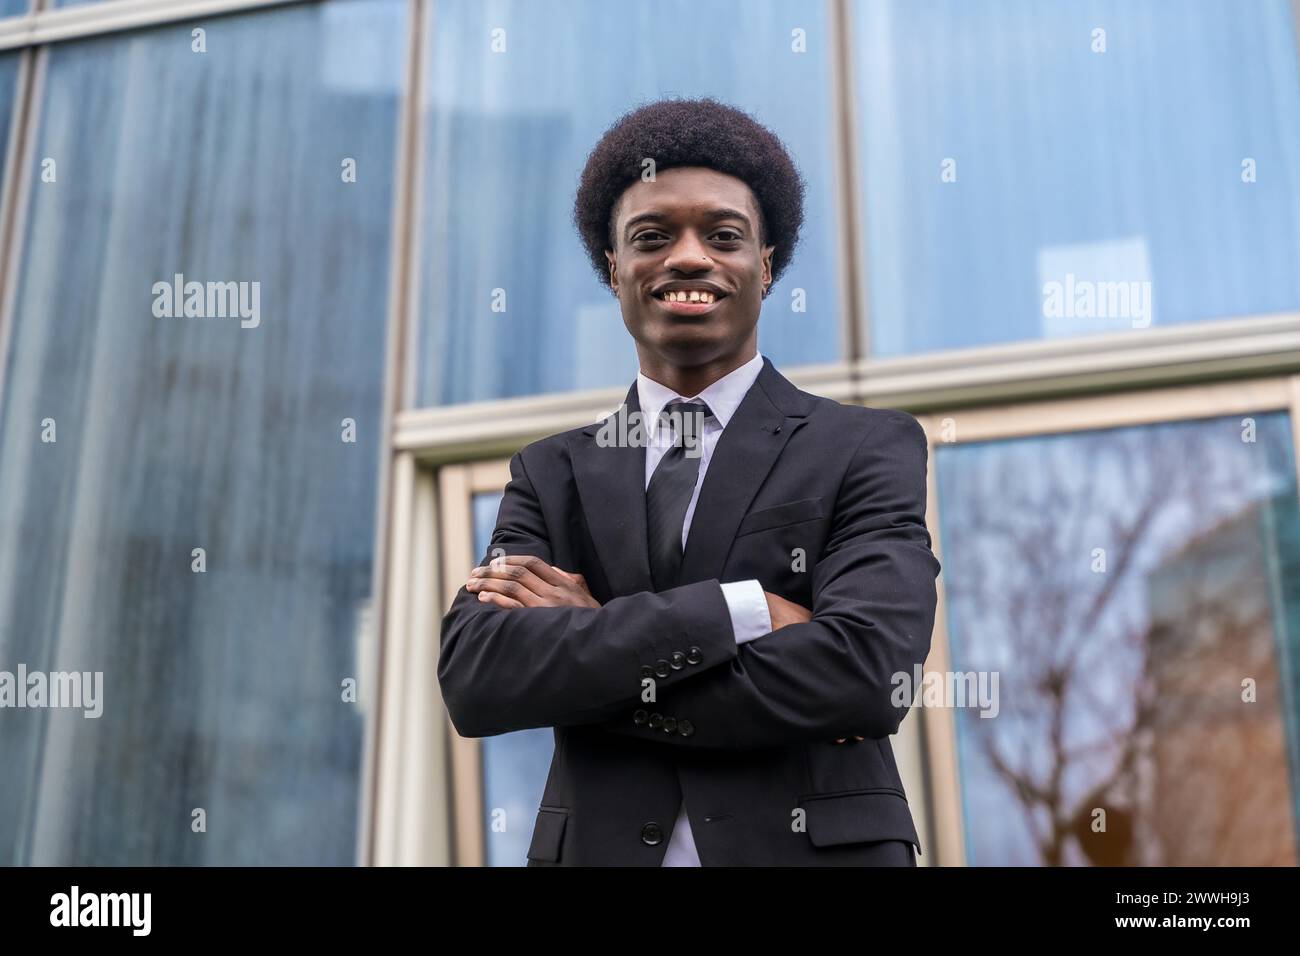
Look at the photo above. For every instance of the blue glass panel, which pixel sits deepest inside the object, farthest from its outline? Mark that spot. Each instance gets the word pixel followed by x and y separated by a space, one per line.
pixel 1135 593
pixel 1009 148
pixel 508 135
pixel 133 433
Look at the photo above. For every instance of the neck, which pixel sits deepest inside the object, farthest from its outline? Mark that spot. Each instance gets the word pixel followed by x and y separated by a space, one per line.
pixel 690 381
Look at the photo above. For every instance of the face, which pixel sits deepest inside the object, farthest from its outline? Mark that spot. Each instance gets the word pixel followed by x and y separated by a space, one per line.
pixel 692 230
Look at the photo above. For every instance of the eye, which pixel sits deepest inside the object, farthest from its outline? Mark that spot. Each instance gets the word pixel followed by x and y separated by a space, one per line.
pixel 727 235
pixel 650 235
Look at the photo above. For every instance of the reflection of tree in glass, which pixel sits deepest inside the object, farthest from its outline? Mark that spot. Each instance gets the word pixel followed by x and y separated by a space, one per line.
pixel 1121 687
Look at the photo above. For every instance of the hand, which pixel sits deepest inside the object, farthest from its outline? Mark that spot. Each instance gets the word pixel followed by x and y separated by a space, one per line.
pixel 520 580
pixel 785 612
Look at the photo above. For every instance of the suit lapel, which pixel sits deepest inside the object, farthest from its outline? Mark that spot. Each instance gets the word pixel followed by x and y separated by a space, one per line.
pixel 611 482
pixel 611 487
pixel 771 411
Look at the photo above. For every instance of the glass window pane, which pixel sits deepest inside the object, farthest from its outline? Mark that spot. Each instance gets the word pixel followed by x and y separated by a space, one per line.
pixel 508 135
pixel 1136 591
pixel 1026 177
pixel 12 8
pixel 133 434
pixel 514 765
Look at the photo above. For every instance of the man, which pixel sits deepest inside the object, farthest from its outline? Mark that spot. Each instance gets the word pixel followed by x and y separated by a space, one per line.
pixel 709 610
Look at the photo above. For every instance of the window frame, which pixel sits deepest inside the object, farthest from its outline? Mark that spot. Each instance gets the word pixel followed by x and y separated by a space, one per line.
pixel 1063 416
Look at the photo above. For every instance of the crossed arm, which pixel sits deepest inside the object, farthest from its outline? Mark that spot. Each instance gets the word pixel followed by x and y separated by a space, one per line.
pixel 526 645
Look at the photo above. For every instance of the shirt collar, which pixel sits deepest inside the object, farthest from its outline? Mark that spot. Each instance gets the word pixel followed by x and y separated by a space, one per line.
pixel 723 396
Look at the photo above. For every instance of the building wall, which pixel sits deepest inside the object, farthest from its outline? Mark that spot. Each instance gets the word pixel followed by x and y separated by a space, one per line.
pixel 1062 235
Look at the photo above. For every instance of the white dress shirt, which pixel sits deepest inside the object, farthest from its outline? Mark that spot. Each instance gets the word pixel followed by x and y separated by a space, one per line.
pixel 745 601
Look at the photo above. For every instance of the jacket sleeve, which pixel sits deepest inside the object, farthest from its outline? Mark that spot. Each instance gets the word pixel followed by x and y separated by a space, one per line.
pixel 873 609
pixel 506 669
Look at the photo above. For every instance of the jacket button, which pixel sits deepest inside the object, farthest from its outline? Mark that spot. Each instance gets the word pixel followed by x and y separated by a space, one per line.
pixel 685 728
pixel 662 668
pixel 670 724
pixel 694 655
pixel 678 661
pixel 652 834
pixel 656 721
pixel 640 717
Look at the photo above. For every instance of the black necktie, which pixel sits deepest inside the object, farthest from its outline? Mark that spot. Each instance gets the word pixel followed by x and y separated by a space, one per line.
pixel 669 493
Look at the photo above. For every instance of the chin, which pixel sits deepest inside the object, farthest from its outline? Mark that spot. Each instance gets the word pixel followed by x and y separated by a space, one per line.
pixel 690 338
pixel 693 354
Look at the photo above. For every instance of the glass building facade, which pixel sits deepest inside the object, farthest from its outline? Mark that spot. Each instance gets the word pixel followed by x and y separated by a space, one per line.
pixel 1063 235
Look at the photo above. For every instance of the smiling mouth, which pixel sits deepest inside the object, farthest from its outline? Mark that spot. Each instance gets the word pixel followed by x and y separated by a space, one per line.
pixel 689 301
pixel 706 296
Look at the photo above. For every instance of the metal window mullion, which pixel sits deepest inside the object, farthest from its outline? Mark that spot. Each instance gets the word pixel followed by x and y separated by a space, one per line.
pixel 852 247
pixel 48 25
pixel 17 185
pixel 376 780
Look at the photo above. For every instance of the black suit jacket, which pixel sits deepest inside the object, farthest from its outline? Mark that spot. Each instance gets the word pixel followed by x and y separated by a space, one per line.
pixel 824 504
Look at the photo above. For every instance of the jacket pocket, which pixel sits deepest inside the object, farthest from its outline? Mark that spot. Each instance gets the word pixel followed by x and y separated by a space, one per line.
pixel 858 816
pixel 548 834
pixel 792 512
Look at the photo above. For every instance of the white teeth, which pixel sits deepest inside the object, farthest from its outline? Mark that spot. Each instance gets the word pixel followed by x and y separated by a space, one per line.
pixel 694 295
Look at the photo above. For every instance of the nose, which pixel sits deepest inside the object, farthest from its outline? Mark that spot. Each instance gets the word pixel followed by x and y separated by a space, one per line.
pixel 689 255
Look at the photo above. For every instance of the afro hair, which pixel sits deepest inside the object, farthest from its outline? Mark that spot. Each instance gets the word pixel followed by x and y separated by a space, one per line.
pixel 690 132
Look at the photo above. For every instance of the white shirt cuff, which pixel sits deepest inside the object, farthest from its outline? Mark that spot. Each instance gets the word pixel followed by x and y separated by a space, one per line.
pixel 748 608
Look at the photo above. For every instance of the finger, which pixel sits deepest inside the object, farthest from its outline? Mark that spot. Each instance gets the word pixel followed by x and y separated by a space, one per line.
pixel 500 600
pixel 841 740
pixel 533 572
pixel 859 738
pixel 571 580
pixel 514 590
pixel 575 580
pixel 517 573
pixel 535 565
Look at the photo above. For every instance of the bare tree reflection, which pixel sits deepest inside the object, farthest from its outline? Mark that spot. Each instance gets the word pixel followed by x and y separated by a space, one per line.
pixel 1125 583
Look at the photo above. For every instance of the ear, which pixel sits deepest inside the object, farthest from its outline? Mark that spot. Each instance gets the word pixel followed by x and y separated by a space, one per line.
pixel 613 270
pixel 766 255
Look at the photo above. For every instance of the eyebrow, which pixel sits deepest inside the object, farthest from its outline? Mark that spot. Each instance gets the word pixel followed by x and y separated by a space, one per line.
pixel 720 212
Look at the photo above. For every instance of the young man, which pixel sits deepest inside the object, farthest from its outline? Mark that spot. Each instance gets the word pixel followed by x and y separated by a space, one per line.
pixel 708 609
